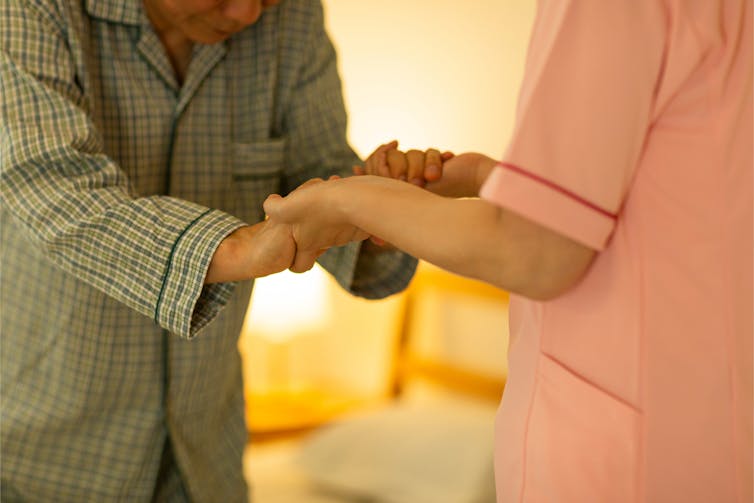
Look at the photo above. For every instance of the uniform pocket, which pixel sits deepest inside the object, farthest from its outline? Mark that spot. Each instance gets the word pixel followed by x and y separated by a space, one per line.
pixel 257 172
pixel 582 443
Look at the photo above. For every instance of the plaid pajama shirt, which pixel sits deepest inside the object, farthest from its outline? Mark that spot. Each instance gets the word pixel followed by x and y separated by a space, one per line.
pixel 117 186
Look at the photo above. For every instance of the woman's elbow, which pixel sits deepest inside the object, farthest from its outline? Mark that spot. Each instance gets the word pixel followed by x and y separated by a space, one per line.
pixel 534 261
pixel 546 273
pixel 558 272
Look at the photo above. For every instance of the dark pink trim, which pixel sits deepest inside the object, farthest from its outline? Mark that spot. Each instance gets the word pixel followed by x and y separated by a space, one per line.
pixel 558 188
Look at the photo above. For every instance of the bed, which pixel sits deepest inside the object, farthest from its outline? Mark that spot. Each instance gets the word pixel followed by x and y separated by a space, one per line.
pixel 431 441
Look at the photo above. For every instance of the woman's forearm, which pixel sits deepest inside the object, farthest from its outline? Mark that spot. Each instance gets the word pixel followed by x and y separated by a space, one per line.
pixel 470 237
pixel 428 226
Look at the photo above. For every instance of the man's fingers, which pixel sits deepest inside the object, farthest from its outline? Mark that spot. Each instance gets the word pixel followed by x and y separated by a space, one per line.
pixel 415 171
pixel 388 146
pixel 304 261
pixel 432 169
pixel 370 165
pixel 376 163
pixel 381 164
pixel 383 167
pixel 272 204
pixel 396 161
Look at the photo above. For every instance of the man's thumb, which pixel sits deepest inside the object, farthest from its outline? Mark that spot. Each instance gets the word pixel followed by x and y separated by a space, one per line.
pixel 272 205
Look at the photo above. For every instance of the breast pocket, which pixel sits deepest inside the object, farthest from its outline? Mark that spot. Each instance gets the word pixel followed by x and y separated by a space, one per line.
pixel 257 173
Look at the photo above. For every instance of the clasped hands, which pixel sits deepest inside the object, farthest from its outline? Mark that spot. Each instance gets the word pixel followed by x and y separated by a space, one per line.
pixel 322 214
pixel 314 217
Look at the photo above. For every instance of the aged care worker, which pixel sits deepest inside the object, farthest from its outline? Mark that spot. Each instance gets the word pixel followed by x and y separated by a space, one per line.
pixel 137 143
pixel 621 215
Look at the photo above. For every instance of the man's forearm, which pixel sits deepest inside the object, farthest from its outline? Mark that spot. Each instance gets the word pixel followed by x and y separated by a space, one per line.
pixel 252 252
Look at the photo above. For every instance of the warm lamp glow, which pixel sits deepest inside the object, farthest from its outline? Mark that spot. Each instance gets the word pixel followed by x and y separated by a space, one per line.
pixel 286 304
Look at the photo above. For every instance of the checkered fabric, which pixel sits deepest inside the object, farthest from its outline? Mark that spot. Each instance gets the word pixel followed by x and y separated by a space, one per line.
pixel 117 186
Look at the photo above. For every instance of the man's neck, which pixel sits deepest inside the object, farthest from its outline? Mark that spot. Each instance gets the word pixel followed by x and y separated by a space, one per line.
pixel 177 46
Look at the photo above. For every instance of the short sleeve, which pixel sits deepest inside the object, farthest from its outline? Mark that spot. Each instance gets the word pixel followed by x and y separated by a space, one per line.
pixel 583 114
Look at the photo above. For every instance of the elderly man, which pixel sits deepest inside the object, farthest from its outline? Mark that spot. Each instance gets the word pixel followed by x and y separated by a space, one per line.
pixel 137 144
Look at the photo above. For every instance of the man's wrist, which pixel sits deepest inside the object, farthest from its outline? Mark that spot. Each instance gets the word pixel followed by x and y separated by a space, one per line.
pixel 225 260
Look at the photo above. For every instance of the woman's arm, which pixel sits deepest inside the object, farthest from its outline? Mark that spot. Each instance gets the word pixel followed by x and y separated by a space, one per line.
pixel 462 175
pixel 466 236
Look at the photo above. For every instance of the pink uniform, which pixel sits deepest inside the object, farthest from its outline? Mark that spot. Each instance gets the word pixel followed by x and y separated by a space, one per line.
pixel 634 137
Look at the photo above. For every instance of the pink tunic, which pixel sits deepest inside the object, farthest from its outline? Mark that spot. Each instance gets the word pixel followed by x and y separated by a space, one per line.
pixel 634 137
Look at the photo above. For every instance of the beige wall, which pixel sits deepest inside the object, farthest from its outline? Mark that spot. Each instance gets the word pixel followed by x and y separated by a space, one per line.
pixel 431 72
pixel 439 73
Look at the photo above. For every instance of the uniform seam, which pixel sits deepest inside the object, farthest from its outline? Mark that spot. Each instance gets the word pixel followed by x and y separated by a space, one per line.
pixel 535 387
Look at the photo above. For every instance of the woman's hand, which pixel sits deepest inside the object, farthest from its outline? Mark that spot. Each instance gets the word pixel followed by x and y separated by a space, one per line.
pixel 316 219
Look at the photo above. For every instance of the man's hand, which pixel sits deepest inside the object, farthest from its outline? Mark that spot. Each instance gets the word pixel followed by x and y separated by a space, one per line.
pixel 252 252
pixel 463 175
pixel 413 166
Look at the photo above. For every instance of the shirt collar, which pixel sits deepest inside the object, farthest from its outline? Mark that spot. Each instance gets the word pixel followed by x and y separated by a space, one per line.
pixel 117 11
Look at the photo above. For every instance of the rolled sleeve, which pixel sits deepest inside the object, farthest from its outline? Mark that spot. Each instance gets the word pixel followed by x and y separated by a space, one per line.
pixel 549 205
pixel 585 107
pixel 185 305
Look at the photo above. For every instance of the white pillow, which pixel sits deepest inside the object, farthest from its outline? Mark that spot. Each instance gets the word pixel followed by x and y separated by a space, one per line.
pixel 406 454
